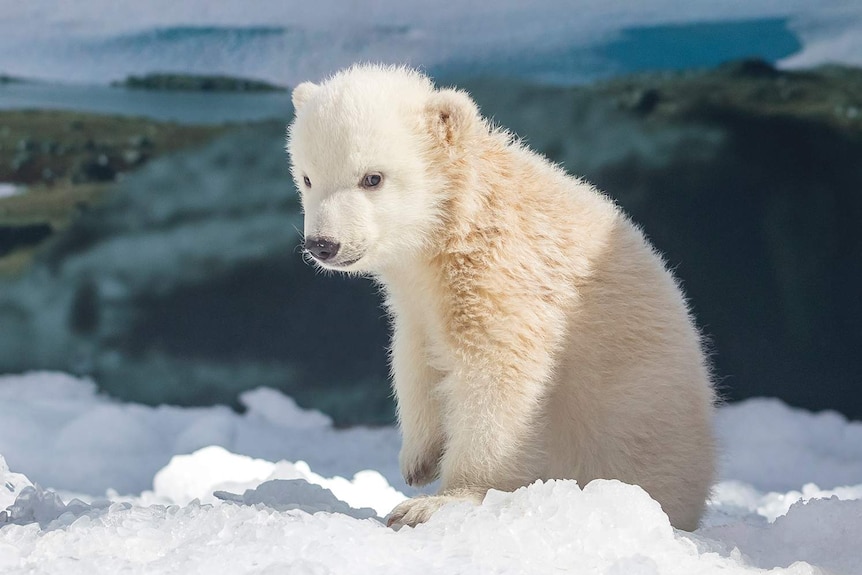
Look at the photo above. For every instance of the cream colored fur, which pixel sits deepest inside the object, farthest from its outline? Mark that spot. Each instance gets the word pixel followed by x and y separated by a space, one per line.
pixel 536 333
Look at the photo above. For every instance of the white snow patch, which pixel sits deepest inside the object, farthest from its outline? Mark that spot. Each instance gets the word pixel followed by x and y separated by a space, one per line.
pixel 780 448
pixel 58 429
pixel 829 35
pixel 201 474
pixel 196 476
pixel 772 505
pixel 822 532
pixel 8 190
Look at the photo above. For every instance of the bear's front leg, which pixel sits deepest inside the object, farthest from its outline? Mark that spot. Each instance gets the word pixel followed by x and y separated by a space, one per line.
pixel 502 361
pixel 491 423
pixel 418 403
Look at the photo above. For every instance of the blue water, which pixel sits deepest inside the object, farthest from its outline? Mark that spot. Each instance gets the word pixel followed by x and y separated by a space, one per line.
pixel 643 48
pixel 184 107
pixel 699 45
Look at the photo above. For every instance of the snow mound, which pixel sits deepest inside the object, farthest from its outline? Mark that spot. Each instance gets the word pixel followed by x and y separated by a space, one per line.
pixel 196 476
pixel 272 406
pixel 822 532
pixel 201 474
pixel 773 446
pixel 737 499
pixel 57 428
pixel 47 388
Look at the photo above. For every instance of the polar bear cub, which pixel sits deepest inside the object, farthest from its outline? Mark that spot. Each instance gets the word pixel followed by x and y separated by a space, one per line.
pixel 536 332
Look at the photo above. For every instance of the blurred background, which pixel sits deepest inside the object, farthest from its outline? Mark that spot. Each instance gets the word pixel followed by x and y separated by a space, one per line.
pixel 148 224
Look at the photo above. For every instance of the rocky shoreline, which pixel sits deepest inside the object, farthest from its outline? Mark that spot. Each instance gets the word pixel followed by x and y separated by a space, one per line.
pixel 66 161
pixel 56 147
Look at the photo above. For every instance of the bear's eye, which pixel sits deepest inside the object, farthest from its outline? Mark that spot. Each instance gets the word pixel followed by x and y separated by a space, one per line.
pixel 372 180
pixel 306 181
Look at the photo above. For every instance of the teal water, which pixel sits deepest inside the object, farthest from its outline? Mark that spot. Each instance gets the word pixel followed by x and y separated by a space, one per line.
pixel 184 107
pixel 641 49
pixel 700 44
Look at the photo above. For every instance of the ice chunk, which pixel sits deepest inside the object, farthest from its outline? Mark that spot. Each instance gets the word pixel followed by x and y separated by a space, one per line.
pixel 35 505
pixel 11 485
pixel 45 507
pixel 289 494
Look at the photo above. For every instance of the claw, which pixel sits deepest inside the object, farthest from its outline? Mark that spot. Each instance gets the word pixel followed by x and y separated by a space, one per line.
pixel 394 521
pixel 421 474
pixel 419 509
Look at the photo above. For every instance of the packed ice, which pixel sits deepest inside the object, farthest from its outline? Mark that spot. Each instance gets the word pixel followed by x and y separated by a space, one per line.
pixel 91 485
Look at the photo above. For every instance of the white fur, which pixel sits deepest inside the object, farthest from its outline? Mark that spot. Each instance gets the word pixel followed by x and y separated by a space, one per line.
pixel 536 333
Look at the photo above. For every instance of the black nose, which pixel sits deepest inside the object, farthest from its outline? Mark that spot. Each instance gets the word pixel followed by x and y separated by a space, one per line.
pixel 321 248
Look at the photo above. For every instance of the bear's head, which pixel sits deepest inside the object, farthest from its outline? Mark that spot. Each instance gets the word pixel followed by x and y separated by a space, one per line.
pixel 375 153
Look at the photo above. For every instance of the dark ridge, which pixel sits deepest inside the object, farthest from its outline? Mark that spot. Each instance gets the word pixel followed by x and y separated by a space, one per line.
pixel 195 83
pixel 14 237
pixel 751 68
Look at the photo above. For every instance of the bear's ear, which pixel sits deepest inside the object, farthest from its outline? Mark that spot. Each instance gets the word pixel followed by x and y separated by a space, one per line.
pixel 452 117
pixel 302 93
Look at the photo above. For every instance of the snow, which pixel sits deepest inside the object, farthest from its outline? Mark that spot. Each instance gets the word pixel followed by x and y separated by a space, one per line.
pixel 822 532
pixel 101 486
pixel 212 470
pixel 776 447
pixel 58 430
pixel 9 190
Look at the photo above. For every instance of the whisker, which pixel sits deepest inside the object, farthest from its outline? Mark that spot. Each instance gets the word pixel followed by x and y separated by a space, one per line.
pixel 299 231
